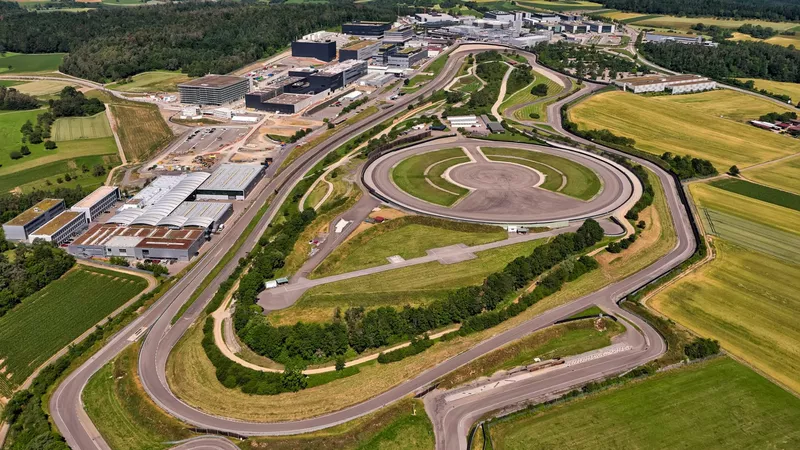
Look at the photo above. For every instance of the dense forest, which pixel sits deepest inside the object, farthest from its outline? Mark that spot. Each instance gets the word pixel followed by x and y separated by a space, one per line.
pixel 196 38
pixel 729 60
pixel 776 10
pixel 14 100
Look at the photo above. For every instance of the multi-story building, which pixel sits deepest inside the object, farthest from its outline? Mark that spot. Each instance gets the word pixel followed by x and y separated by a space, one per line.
pixel 215 90
pixel 677 84
pixel 503 16
pixel 62 228
pixel 600 27
pixel 96 203
pixel 366 29
pixel 321 50
pixel 399 35
pixel 407 57
pixel 669 37
pixel 359 50
pixel 19 228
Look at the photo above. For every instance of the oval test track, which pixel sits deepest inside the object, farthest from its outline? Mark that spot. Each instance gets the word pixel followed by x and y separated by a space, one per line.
pixel 66 407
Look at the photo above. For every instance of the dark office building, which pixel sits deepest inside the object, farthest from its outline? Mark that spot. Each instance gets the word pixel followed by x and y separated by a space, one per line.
pixel 373 29
pixel 323 51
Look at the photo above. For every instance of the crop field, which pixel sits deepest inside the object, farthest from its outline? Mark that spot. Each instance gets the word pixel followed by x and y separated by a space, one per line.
pixel 42 87
pixel 689 125
pixel 72 128
pixel 421 176
pixel 759 192
pixel 408 236
pixel 50 319
pixel 414 285
pixel 748 412
pixel 152 82
pixel 685 23
pixel 47 175
pixel 142 130
pixel 751 235
pixel 781 40
pixel 562 175
pixel 623 16
pixel 10 83
pixel 560 5
pixel 14 63
pixel 783 174
pixel 557 341
pixel 777 87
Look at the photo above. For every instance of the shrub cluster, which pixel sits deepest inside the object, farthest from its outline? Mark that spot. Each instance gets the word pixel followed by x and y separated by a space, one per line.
pixel 417 346
pixel 688 167
pixel 701 348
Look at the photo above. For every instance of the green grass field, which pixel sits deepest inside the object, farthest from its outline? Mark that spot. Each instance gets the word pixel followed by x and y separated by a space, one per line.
pixel 719 404
pixel 125 416
pixel 50 319
pixel 72 128
pixel 408 236
pixel 746 298
pixel 151 82
pixel 468 84
pixel 42 88
pixel 421 176
pixel 15 63
pixel 708 125
pixel 759 192
pixel 557 341
pixel 783 174
pixel 413 285
pixel 562 175
pixel 524 96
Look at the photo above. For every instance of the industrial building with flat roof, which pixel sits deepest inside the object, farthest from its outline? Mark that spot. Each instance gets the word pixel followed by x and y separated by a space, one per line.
pixel 321 50
pixel 398 35
pixel 365 28
pixel 62 228
pixel 407 57
pixel 145 242
pixel 216 90
pixel 206 215
pixel 677 84
pixel 359 50
pixel 96 203
pixel 154 213
pixel 231 182
pixel 19 228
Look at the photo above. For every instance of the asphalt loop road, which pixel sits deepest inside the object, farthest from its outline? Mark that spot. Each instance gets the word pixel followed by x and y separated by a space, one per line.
pixel 71 420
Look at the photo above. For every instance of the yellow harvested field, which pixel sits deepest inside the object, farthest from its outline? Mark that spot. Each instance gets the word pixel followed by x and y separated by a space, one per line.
pixel 778 87
pixel 619 15
pixel 685 23
pixel 774 40
pixel 709 125
pixel 42 87
pixel 782 174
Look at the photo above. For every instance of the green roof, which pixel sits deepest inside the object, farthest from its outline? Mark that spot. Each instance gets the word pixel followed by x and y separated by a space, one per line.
pixel 35 211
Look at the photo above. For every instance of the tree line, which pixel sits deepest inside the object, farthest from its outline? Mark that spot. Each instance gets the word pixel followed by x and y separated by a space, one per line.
pixel 775 10
pixel 196 38
pixel 14 100
pixel 584 62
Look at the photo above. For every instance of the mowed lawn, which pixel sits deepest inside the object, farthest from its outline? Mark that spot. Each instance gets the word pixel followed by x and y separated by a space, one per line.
pixel 42 87
pixel 160 81
pixel 421 176
pixel 747 297
pixel 709 125
pixel 50 319
pixel 19 63
pixel 408 237
pixel 782 174
pixel 719 404
pixel 777 87
pixel 71 128
pixel 414 285
pixel 524 96
pixel 562 175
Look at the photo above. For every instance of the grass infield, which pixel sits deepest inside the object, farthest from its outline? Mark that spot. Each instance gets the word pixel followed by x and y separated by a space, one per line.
pixel 421 176
pixel 718 404
pixel 50 319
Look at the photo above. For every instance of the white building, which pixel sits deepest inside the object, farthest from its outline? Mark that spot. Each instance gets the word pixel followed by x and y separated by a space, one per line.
pixel 99 201
pixel 677 84
pixel 462 121
pixel 62 228
pixel 529 41
pixel 223 113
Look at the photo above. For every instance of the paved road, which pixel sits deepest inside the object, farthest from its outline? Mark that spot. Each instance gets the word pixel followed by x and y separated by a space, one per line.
pixel 65 404
pixel 509 204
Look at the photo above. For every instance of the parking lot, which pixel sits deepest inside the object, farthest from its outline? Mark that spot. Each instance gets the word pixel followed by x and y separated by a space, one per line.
pixel 211 139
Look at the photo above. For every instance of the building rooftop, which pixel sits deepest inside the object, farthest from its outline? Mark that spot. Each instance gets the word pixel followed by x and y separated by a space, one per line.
pixel 341 67
pixel 33 212
pixel 58 222
pixel 100 235
pixel 96 195
pixel 196 214
pixel 410 50
pixel 167 203
pixel 366 22
pixel 213 81
pixel 656 79
pixel 358 45
pixel 232 176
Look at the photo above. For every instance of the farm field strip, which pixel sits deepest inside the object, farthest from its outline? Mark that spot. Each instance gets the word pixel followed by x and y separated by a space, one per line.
pixel 50 319
pixel 685 23
pixel 777 87
pixel 72 128
pixel 142 131
pixel 752 235
pixel 782 174
pixel 759 192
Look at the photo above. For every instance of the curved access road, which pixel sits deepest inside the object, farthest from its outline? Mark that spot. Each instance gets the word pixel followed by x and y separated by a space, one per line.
pixel 505 198
pixel 66 407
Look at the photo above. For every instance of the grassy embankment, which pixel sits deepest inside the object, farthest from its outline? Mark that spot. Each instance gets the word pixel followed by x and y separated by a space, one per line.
pixel 747 297
pixel 709 125
pixel 43 166
pixel 159 81
pixel 192 376
pixel 409 237
pixel 42 89
pixel 52 318
pixel 421 176
pixel 561 174
pixel 718 404
pixel 430 73
pixel 557 341
pixel 524 96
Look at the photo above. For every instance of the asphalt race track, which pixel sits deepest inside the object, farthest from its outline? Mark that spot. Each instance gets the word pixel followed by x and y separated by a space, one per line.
pixel 451 418
pixel 506 193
